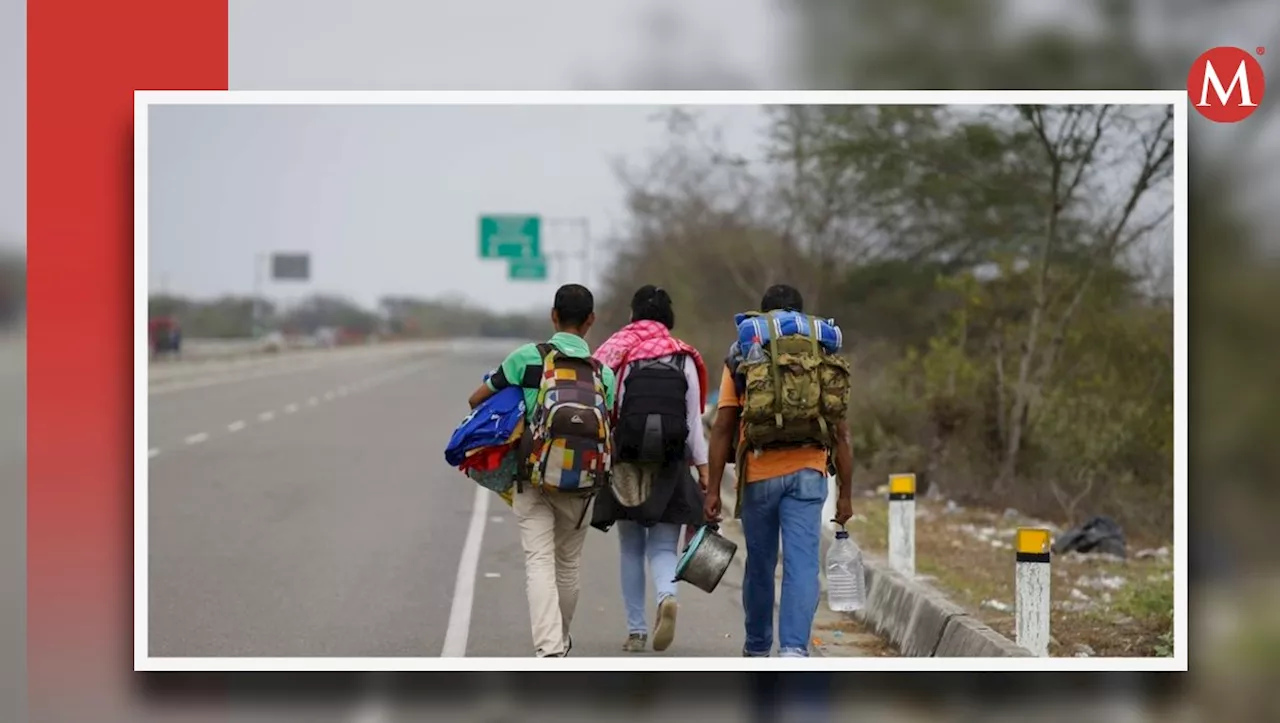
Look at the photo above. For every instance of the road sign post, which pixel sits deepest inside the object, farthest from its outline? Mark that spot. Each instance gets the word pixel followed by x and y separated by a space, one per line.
pixel 510 236
pixel 584 225
pixel 278 266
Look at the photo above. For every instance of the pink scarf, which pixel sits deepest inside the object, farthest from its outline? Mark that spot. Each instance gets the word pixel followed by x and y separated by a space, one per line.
pixel 647 340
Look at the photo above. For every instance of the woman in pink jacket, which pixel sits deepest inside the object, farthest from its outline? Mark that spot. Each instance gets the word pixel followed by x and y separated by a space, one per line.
pixel 658 438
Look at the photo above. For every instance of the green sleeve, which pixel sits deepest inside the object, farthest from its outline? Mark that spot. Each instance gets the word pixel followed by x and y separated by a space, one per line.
pixel 511 372
pixel 610 386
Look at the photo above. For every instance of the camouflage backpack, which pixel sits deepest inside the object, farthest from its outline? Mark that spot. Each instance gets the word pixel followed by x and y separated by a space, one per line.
pixel 795 392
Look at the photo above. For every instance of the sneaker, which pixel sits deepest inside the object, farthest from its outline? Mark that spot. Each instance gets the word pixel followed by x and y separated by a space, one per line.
pixel 665 631
pixel 636 643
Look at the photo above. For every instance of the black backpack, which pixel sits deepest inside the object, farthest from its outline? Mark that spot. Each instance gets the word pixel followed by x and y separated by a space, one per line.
pixel 653 424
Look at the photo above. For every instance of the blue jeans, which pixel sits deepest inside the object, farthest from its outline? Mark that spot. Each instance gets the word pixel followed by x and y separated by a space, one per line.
pixel 658 544
pixel 790 506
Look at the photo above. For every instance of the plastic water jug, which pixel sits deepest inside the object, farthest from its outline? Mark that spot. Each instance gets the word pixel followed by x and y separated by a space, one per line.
pixel 846 581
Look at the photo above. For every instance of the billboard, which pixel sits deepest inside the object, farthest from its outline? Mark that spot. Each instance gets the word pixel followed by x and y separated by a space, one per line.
pixel 290 267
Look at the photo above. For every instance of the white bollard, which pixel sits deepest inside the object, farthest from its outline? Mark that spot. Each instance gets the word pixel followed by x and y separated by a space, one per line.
pixel 1031 594
pixel 902 523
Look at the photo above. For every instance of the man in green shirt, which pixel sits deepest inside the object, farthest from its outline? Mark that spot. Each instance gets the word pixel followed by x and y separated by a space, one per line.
pixel 551 529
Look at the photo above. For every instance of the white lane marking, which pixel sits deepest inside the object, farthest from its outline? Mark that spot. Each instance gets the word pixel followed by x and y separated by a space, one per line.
pixel 495 519
pixel 391 375
pixel 464 588
pixel 180 385
pixel 342 391
pixel 328 395
pixel 290 409
pixel 493 574
pixel 152 453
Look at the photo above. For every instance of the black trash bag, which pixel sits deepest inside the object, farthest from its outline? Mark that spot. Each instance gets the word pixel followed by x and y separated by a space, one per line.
pixel 1099 535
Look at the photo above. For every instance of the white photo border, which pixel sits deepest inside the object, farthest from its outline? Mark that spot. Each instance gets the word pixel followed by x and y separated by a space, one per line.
pixel 145 662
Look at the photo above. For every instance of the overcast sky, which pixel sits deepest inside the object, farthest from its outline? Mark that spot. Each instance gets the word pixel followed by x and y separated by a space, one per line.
pixel 504 44
pixel 411 44
pixel 495 44
pixel 386 199
pixel 13 122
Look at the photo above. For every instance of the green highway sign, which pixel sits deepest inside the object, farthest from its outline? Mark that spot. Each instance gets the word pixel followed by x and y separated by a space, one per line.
pixel 527 270
pixel 510 237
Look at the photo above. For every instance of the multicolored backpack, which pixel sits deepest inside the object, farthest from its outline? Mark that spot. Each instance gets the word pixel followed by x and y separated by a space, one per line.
pixel 568 441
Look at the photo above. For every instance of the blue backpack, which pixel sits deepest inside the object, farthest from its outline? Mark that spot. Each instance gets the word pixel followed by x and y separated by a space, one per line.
pixel 491 423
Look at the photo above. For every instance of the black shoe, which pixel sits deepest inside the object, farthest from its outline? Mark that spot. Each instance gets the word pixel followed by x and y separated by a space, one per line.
pixel 568 645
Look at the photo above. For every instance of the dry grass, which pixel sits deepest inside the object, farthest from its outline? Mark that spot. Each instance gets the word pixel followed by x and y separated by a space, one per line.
pixel 1102 606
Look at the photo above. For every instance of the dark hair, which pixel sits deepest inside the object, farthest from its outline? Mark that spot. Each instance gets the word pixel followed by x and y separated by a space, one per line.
pixel 652 303
pixel 781 297
pixel 574 303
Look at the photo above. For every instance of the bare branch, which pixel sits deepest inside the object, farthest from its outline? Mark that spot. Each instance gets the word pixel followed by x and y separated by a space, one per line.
pixel 1034 115
pixel 1157 158
pixel 1091 147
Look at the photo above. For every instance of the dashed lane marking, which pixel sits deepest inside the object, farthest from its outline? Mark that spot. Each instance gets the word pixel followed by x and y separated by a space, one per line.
pixel 291 408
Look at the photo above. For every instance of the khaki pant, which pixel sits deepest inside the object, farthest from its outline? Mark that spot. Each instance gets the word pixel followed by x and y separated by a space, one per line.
pixel 552 545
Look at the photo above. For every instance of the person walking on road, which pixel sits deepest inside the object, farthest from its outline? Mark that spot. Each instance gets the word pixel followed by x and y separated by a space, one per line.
pixel 782 485
pixel 658 436
pixel 565 459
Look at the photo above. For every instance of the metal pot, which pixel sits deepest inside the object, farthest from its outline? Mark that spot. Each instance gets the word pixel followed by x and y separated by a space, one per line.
pixel 706 558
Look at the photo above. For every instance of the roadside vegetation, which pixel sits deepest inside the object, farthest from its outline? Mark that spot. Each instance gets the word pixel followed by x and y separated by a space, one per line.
pixel 1003 278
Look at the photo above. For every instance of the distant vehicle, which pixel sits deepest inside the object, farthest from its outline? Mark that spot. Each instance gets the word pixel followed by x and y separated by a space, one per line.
pixel 273 342
pixel 165 336
pixel 326 336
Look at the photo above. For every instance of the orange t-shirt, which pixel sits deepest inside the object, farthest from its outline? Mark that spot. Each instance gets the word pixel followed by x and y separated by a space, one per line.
pixel 771 462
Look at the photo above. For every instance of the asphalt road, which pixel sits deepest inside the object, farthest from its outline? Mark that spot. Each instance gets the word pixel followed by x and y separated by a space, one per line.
pixel 13 523
pixel 303 508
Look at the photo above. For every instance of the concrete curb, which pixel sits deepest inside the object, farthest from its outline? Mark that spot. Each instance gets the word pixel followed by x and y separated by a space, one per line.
pixel 922 623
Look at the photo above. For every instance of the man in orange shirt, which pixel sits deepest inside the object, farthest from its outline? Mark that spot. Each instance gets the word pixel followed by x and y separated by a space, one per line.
pixel 781 492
